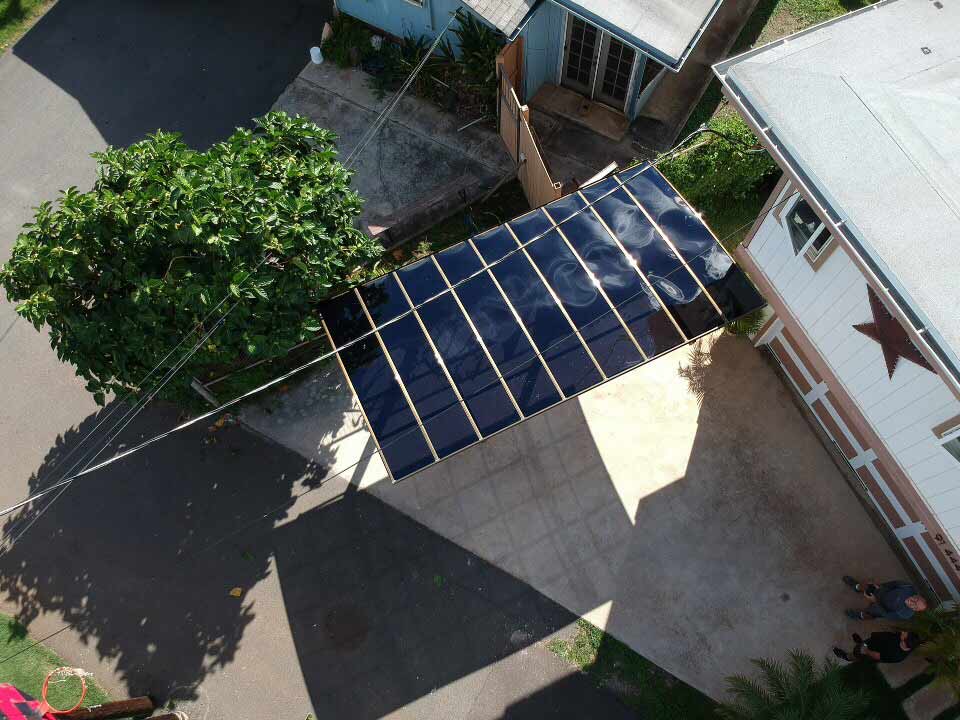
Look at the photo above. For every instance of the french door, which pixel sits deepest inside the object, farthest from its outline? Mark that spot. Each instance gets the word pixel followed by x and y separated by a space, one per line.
pixel 596 64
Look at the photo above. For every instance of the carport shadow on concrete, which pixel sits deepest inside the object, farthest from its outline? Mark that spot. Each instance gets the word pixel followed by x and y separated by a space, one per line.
pixel 197 68
pixel 686 507
pixel 711 529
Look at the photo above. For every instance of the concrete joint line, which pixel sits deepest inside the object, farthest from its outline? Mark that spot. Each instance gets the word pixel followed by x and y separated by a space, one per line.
pixel 414 131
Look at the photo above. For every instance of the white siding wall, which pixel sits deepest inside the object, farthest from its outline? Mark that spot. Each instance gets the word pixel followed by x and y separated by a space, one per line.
pixel 903 411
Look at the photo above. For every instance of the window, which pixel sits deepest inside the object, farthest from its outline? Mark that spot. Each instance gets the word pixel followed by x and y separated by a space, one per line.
pixel 808 235
pixel 951 442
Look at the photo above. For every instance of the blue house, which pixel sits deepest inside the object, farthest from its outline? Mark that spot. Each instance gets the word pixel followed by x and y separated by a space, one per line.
pixel 607 53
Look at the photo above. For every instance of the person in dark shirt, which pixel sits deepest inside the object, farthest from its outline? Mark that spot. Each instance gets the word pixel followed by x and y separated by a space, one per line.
pixel 881 647
pixel 894 600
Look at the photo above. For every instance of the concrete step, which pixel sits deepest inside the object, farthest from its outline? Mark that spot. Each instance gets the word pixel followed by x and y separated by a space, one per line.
pixel 898 674
pixel 928 702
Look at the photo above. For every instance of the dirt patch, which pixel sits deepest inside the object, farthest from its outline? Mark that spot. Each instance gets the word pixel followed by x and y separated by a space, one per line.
pixel 782 23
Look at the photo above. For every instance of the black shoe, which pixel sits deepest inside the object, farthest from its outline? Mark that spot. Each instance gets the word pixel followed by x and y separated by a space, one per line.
pixel 857 639
pixel 852 583
pixel 842 654
pixel 855 615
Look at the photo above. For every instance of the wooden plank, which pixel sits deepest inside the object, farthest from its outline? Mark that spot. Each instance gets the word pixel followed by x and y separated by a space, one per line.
pixel 119 709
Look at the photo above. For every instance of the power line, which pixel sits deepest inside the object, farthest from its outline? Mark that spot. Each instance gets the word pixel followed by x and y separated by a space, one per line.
pixel 496 381
pixel 135 410
pixel 285 376
pixel 378 123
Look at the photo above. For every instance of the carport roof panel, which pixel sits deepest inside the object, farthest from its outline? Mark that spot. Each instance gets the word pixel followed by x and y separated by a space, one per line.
pixel 457 346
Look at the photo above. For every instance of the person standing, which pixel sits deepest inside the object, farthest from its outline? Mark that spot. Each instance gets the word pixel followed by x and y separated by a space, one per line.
pixel 894 600
pixel 881 647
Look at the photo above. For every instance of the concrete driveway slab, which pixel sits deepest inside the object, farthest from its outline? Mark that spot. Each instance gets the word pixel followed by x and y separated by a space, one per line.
pixel 93 73
pixel 686 507
pixel 413 172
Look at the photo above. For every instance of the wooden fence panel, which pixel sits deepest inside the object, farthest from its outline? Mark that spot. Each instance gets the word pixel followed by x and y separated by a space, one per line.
pixel 521 141
pixel 511 61
pixel 538 185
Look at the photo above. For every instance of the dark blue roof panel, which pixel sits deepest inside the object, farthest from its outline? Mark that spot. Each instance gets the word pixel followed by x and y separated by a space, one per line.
pixel 460 345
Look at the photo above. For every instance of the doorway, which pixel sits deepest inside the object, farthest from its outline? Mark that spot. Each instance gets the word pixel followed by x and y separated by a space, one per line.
pixel 596 64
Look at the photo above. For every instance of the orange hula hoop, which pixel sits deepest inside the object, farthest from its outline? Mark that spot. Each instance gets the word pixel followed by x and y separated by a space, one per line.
pixel 46 707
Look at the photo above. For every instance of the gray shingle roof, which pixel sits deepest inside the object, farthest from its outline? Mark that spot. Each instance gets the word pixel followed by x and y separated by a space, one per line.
pixel 868 107
pixel 506 15
pixel 669 27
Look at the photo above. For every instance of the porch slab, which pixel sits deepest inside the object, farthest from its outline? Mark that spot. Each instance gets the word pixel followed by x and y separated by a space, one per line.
pixel 686 507
pixel 417 169
pixel 574 152
pixel 574 107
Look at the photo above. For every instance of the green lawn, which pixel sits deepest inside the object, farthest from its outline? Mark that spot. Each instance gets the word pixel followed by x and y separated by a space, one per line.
pixel 16 17
pixel 26 665
pixel 657 695
pixel 652 692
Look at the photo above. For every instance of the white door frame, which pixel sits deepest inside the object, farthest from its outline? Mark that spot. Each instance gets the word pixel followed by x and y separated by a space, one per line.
pixel 603 41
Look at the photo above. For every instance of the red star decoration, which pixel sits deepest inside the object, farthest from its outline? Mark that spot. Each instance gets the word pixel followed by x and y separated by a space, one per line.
pixel 891 336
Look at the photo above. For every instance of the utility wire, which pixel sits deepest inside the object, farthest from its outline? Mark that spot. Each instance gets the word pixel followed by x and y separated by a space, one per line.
pixel 417 427
pixel 133 411
pixel 275 381
pixel 384 115
pixel 271 383
pixel 131 414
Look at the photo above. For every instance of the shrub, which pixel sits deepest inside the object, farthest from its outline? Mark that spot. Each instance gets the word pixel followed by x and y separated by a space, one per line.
pixel 798 690
pixel 350 43
pixel 122 272
pixel 721 172
pixel 939 631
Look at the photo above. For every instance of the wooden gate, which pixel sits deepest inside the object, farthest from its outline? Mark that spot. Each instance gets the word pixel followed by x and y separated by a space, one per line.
pixel 517 133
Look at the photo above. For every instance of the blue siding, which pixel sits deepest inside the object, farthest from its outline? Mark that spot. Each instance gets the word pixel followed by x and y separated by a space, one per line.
pixel 544 34
pixel 542 45
pixel 402 18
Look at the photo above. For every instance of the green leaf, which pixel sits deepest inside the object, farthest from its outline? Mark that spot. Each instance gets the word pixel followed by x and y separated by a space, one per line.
pixel 119 274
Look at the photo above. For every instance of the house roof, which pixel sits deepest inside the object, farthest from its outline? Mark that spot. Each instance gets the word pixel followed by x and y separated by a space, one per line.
pixel 664 29
pixel 505 15
pixel 866 108
pixel 668 29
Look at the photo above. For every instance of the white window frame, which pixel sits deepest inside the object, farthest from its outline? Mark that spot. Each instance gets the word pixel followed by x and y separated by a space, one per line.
pixel 807 250
pixel 953 434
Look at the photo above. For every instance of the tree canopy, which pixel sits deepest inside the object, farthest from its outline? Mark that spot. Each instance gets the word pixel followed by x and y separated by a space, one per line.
pixel 121 273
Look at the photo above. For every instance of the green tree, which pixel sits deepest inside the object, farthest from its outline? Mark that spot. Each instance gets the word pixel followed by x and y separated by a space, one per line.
pixel 797 690
pixel 939 631
pixel 120 273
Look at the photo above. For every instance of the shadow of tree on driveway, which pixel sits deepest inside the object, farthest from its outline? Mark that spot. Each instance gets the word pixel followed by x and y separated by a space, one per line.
pixel 119 556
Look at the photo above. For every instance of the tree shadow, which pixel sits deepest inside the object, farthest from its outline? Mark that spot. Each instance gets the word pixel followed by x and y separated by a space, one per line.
pixel 196 68
pixel 120 556
pixel 701 531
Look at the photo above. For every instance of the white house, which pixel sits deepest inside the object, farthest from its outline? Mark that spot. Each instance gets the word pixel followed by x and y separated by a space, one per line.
pixel 858 251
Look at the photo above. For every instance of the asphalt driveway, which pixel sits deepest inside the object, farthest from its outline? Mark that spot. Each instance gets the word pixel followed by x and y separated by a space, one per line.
pixel 132 574
pixel 99 72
